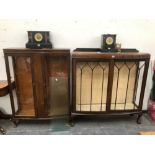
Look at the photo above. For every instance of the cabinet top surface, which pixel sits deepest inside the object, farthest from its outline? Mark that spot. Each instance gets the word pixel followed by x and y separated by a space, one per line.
pixel 130 55
pixel 35 50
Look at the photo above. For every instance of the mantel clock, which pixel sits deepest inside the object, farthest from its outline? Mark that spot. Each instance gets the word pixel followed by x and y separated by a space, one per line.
pixel 38 39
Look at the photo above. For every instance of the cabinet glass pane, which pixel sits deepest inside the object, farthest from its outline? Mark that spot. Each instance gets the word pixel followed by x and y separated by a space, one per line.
pixel 126 81
pixel 91 86
pixel 20 71
pixel 12 78
pixel 58 100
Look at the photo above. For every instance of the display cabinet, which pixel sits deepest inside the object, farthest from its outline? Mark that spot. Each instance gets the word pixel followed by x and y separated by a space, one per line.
pixel 108 83
pixel 42 82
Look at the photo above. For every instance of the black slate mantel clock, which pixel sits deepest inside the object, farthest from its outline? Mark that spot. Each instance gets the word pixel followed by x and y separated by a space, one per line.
pixel 108 43
pixel 38 39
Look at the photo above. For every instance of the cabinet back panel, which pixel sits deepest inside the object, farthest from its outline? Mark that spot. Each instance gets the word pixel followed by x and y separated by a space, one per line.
pixel 58 99
pixel 39 81
pixel 24 86
pixel 57 66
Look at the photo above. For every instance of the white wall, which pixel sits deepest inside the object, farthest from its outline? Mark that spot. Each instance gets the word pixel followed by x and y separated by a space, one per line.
pixel 79 24
pixel 70 33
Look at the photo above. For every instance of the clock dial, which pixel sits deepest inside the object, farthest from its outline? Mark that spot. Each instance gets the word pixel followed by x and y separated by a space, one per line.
pixel 109 40
pixel 38 37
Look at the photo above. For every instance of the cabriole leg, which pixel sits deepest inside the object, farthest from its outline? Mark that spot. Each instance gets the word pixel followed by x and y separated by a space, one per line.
pixel 139 118
pixel 71 121
pixel 15 122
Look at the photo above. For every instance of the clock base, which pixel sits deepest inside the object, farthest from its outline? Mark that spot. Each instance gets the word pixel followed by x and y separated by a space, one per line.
pixel 38 45
pixel 109 50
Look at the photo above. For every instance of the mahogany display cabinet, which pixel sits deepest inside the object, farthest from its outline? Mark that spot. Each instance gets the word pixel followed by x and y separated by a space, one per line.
pixel 42 82
pixel 108 83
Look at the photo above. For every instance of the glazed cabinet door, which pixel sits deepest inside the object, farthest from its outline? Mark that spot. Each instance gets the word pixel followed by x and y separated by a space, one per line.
pixel 90 84
pixel 128 85
pixel 19 69
pixel 57 81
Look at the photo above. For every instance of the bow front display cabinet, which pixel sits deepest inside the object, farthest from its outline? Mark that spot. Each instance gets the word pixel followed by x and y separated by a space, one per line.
pixel 102 83
pixel 108 83
pixel 42 82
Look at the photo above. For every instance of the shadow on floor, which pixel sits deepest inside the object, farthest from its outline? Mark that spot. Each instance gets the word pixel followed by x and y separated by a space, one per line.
pixel 125 125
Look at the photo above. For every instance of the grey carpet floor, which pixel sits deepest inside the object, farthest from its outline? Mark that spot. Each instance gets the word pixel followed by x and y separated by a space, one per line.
pixel 125 125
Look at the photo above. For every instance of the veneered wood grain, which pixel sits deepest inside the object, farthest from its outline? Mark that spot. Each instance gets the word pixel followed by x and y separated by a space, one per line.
pixel 24 84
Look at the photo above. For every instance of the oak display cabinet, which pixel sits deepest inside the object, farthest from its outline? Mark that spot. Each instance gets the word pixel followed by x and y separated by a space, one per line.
pixel 42 82
pixel 108 83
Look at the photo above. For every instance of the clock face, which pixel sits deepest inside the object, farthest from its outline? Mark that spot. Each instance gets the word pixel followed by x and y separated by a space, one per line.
pixel 109 40
pixel 38 37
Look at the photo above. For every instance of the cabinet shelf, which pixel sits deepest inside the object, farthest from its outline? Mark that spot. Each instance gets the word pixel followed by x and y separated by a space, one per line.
pixel 98 107
pixel 26 110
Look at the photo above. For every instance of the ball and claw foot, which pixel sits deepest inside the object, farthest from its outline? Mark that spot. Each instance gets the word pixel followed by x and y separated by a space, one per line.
pixel 139 119
pixel 3 131
pixel 15 123
pixel 71 122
